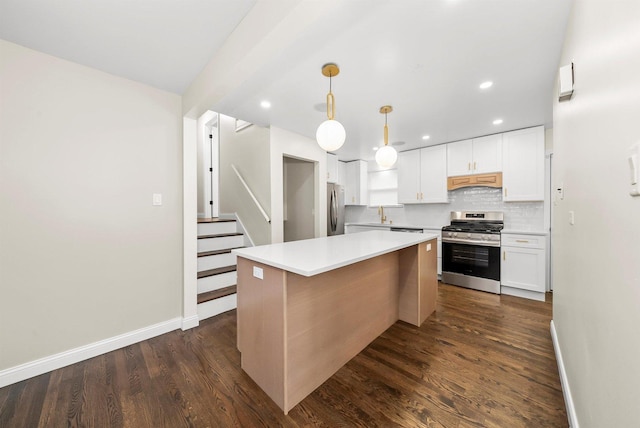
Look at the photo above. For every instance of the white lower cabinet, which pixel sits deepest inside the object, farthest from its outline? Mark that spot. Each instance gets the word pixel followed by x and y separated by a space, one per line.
pixel 439 233
pixel 522 267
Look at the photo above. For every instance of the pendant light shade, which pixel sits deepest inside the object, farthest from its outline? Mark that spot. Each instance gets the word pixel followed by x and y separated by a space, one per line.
pixel 330 134
pixel 386 156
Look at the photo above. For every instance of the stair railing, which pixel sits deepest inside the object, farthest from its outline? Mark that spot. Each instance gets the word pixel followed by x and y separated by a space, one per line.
pixel 246 186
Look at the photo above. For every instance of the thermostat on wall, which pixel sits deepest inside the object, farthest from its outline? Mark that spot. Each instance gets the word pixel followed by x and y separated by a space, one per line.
pixel 565 86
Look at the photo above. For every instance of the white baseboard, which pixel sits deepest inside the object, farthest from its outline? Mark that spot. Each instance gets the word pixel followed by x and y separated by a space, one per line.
pixel 72 356
pixel 190 322
pixel 526 294
pixel 566 391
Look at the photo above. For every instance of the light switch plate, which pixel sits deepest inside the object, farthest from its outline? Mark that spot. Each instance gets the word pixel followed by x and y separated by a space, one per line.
pixel 572 218
pixel 157 199
pixel 428 247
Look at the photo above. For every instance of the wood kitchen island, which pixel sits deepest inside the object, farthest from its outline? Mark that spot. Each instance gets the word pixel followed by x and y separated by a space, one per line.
pixel 305 308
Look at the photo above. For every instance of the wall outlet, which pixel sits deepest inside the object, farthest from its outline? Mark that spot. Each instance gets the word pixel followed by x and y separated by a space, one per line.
pixel 428 247
pixel 257 272
pixel 572 218
pixel 157 199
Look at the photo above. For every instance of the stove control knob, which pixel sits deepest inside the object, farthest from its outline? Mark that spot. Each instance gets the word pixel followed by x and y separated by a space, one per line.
pixel 455 234
pixel 468 235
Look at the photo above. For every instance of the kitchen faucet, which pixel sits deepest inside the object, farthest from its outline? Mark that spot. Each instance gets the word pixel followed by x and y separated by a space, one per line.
pixel 383 218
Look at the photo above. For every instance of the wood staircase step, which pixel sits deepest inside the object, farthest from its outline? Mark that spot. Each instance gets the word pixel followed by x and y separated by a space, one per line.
pixel 220 235
pixel 215 253
pixel 216 271
pixel 216 294
pixel 215 220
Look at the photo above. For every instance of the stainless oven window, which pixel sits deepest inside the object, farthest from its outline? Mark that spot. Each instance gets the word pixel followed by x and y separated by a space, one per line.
pixel 472 260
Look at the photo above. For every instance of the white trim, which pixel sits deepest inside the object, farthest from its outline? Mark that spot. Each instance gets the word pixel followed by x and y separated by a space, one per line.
pixel 217 306
pixel 190 322
pixel 189 223
pixel 566 391
pixel 72 356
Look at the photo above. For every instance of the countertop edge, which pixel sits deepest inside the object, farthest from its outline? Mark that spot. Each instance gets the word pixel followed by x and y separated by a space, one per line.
pixel 420 238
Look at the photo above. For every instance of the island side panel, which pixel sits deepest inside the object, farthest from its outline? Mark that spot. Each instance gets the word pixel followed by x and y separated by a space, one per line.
pixel 333 316
pixel 428 257
pixel 408 285
pixel 418 282
pixel 261 326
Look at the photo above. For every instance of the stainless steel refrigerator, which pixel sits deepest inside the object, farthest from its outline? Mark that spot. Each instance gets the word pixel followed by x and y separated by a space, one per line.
pixel 335 209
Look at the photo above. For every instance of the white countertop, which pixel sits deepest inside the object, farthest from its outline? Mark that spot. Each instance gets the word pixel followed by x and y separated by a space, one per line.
pixel 314 256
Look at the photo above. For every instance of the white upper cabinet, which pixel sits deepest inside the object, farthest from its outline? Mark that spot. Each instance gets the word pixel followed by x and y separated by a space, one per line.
pixel 523 156
pixel 433 174
pixel 422 176
pixel 342 173
pixel 487 154
pixel 355 186
pixel 408 165
pixel 332 168
pixel 477 156
pixel 459 158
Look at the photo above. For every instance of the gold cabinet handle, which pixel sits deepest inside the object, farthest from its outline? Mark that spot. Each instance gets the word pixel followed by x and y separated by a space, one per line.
pixel 524 241
pixel 504 255
pixel 474 166
pixel 469 166
pixel 417 196
pixel 505 191
pixel 421 196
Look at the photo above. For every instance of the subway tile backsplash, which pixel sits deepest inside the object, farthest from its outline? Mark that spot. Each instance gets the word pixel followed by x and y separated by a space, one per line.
pixel 517 215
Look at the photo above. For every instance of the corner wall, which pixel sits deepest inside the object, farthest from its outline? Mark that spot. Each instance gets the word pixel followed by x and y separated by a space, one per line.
pixel 248 150
pixel 84 256
pixel 290 144
pixel 596 275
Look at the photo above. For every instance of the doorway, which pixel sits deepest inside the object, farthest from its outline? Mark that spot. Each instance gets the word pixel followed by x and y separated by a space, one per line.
pixel 208 162
pixel 298 198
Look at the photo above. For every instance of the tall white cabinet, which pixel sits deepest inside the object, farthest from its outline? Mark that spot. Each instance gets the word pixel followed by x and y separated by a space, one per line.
pixel 422 175
pixel 523 165
pixel 332 168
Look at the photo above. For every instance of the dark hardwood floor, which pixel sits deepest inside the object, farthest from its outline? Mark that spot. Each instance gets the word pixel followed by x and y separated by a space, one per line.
pixel 480 361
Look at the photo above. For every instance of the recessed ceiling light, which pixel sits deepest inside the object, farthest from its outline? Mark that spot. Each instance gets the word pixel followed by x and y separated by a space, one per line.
pixel 425 137
pixel 486 85
pixel 265 104
pixel 497 121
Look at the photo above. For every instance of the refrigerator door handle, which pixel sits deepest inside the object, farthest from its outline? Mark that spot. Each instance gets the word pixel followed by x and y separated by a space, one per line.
pixel 334 210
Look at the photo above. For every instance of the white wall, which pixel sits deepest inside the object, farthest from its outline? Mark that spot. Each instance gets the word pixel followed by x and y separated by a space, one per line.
pixel 596 305
pixel 299 193
pixel 248 150
pixel 84 256
pixel 285 143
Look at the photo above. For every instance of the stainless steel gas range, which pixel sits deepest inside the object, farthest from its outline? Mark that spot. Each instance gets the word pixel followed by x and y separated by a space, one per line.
pixel 471 250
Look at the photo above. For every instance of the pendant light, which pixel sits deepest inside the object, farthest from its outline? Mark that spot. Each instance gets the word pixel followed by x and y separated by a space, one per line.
pixel 330 134
pixel 386 156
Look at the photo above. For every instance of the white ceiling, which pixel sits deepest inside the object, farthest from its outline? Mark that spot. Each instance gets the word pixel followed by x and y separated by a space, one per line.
pixel 426 58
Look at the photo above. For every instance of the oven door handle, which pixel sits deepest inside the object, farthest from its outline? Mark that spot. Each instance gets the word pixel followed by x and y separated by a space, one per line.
pixel 468 241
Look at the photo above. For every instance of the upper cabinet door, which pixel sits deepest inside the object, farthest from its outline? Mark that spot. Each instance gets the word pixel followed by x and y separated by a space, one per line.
pixel 487 154
pixel 459 158
pixel 355 187
pixel 433 174
pixel 409 177
pixel 332 168
pixel 523 169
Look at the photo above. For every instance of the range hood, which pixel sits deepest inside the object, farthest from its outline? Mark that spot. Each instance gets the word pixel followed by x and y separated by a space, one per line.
pixel 493 179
